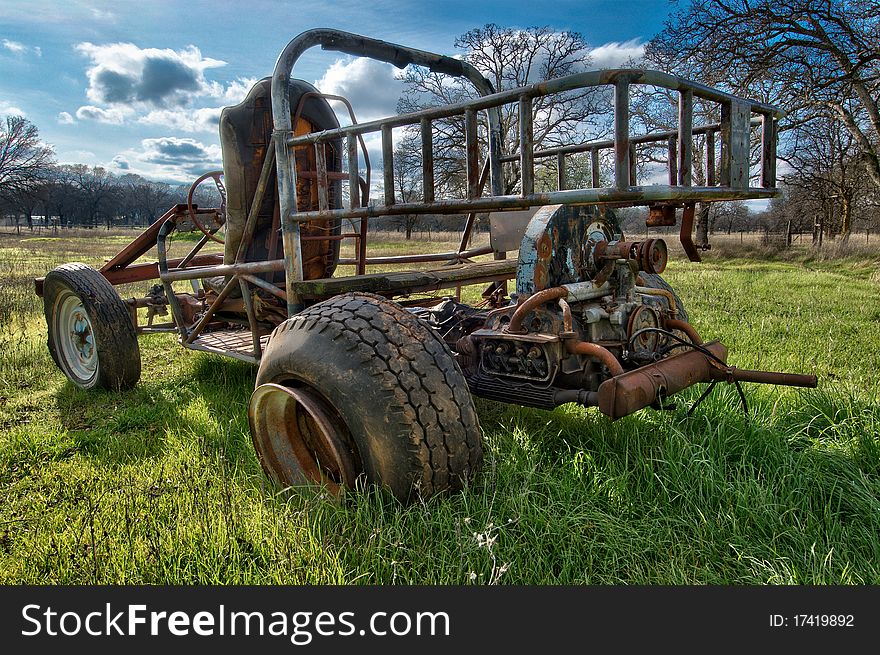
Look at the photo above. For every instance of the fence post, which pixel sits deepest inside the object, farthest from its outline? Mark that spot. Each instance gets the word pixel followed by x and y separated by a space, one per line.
pixel 788 235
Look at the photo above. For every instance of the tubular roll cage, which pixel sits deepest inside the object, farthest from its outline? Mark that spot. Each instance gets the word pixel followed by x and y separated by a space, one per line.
pixel 731 183
pixel 734 130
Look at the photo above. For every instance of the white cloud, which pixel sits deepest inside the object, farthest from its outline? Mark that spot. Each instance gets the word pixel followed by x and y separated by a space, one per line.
pixel 101 14
pixel 8 109
pixel 172 159
pixel 157 87
pixel 112 115
pixel 176 150
pixel 14 47
pixel 64 118
pixel 616 54
pixel 370 86
pixel 20 49
pixel 124 74
pixel 234 92
pixel 206 119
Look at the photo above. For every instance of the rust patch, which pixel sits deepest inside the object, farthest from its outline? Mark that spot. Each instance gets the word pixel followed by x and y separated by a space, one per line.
pixel 686 234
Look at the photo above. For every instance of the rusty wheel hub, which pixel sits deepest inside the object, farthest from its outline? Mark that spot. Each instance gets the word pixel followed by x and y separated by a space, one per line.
pixel 301 439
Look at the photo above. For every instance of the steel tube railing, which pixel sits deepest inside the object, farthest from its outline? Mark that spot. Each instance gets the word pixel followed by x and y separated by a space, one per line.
pixel 558 85
pixel 734 163
pixel 357 45
pixel 642 195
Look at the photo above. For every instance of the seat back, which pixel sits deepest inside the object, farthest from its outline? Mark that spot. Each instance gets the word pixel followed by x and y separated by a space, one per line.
pixel 245 136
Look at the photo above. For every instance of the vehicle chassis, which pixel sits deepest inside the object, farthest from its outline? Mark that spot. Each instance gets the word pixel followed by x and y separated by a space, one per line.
pixel 588 323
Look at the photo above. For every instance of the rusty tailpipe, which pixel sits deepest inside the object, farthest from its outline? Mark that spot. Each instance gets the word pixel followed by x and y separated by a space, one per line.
pixel 627 393
pixel 734 374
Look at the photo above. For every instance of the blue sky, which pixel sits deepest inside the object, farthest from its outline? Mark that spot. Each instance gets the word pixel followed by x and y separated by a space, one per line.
pixel 138 86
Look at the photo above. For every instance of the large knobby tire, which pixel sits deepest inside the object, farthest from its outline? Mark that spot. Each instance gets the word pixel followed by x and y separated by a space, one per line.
pixel 654 281
pixel 91 335
pixel 367 389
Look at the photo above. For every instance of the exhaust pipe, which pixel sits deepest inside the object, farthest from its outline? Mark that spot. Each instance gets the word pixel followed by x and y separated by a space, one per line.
pixel 624 394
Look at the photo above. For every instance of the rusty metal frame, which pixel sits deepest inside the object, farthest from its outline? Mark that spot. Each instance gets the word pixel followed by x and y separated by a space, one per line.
pixel 356 182
pixel 736 122
pixel 357 45
pixel 624 190
pixel 622 391
pixel 482 168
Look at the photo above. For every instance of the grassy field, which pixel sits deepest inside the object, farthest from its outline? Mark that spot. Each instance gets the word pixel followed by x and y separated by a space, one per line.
pixel 161 485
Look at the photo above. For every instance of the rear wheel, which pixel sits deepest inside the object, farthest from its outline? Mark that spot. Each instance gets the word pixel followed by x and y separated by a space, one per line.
pixel 91 334
pixel 357 386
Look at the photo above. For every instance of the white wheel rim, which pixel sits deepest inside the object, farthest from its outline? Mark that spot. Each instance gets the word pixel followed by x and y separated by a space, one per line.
pixel 75 337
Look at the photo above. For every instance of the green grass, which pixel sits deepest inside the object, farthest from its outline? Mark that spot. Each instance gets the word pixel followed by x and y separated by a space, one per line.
pixel 161 484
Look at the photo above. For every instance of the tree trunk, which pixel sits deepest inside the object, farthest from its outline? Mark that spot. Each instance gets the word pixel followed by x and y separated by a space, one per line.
pixel 846 219
pixel 870 157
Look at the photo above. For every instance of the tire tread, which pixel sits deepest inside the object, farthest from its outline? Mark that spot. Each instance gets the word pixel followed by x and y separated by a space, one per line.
pixel 119 362
pixel 427 394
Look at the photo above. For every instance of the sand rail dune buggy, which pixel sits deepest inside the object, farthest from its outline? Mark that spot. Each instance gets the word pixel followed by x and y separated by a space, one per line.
pixel 371 374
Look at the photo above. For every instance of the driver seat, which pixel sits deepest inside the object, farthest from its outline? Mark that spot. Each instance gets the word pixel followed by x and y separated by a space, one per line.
pixel 245 136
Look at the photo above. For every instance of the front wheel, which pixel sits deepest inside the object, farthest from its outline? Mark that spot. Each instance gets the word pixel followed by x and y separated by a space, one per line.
pixel 358 386
pixel 91 334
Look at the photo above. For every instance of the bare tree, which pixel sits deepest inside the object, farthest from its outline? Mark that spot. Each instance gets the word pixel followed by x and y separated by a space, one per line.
pixel 730 216
pixel 812 57
pixel 143 200
pixel 509 58
pixel 23 157
pixel 61 197
pixel 408 181
pixel 828 170
pixel 97 189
